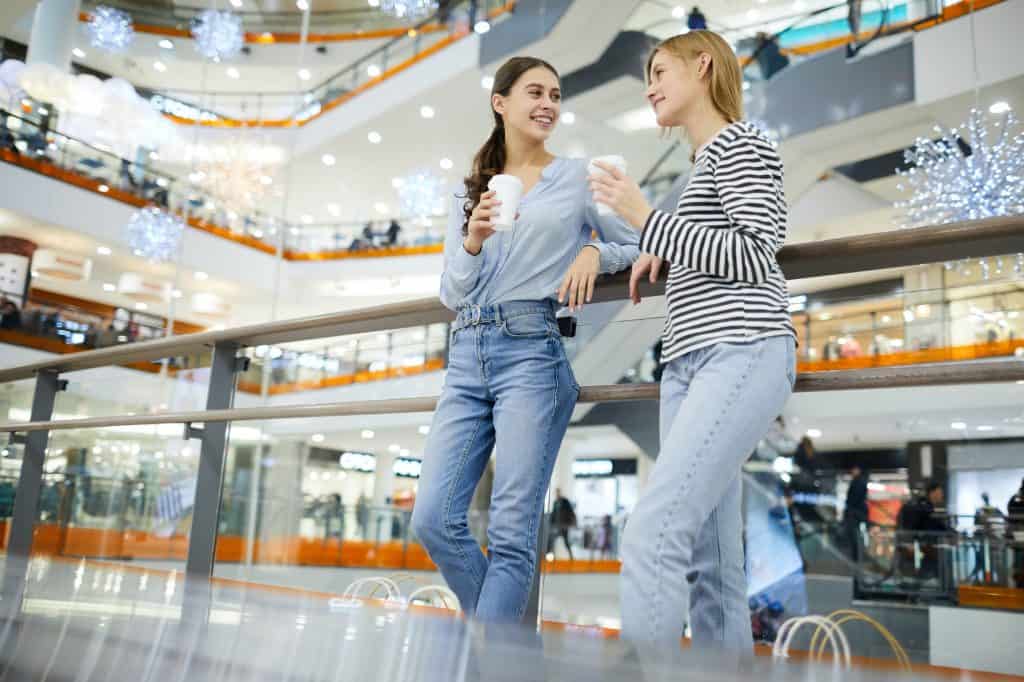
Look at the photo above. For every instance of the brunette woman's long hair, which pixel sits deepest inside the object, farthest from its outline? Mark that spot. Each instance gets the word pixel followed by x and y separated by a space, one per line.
pixel 490 160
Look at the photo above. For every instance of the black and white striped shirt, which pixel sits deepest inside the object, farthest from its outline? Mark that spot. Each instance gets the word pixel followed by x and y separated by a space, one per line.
pixel 724 283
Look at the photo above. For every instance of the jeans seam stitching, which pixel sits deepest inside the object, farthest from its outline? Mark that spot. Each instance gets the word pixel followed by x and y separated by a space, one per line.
pixel 679 496
pixel 449 534
pixel 532 534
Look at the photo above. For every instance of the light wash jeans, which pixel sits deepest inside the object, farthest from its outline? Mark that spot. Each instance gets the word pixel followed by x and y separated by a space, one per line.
pixel 686 530
pixel 509 387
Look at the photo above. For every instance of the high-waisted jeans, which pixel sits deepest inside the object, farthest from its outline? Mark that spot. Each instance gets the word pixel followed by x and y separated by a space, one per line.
pixel 509 388
pixel 686 532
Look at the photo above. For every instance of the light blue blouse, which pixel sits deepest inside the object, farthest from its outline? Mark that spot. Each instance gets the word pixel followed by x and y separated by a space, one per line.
pixel 528 263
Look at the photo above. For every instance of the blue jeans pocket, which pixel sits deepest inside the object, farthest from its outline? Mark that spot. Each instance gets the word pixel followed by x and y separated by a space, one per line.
pixel 529 327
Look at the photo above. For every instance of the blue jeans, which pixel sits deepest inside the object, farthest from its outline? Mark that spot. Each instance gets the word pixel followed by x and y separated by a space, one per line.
pixel 509 388
pixel 686 530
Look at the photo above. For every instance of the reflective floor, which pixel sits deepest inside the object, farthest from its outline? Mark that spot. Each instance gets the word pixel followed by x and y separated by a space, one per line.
pixel 62 620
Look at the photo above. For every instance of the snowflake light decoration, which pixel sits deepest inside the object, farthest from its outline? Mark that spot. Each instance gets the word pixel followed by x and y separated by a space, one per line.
pixel 237 173
pixel 412 10
pixel 218 34
pixel 420 194
pixel 154 234
pixel 110 29
pixel 948 184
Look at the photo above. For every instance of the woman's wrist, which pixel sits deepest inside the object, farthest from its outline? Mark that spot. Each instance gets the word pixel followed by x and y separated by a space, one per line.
pixel 472 246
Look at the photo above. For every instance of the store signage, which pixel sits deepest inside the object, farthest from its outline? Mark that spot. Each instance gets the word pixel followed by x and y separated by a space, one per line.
pixel 407 467
pixel 589 468
pixel 358 461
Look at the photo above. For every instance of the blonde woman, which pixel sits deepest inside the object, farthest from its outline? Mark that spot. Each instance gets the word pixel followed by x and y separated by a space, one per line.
pixel 728 345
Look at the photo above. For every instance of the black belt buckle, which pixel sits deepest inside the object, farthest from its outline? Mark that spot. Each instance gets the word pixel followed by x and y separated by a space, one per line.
pixel 567 327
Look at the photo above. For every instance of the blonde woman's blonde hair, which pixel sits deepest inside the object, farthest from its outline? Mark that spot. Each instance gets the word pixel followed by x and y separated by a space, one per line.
pixel 725 80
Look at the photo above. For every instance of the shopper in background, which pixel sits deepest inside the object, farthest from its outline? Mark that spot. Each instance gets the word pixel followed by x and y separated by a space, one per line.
pixel 1015 529
pixel 695 20
pixel 563 518
pixel 509 386
pixel 769 55
pixel 10 316
pixel 394 229
pixel 729 348
pixel 855 512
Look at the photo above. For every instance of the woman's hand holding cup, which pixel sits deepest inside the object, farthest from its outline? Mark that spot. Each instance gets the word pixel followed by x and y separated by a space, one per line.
pixel 480 226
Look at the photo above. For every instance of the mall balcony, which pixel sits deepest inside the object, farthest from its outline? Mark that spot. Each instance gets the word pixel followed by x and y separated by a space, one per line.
pixel 209 457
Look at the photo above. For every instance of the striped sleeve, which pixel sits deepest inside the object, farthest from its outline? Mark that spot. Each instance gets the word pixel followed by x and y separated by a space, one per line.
pixel 743 248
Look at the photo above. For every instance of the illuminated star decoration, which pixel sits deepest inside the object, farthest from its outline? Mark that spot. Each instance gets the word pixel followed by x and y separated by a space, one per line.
pixel 110 29
pixel 970 172
pixel 409 9
pixel 420 194
pixel 154 234
pixel 218 35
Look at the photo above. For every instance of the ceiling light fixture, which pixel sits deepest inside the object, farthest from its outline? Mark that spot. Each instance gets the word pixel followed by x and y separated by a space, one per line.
pixel 328 159
pixel 1000 107
pixel 446 163
pixel 160 66
pixel 166 44
pixel 103 250
pixel 374 137
pixel 814 433
pixel 427 111
pixel 487 82
pixel 482 26
pixel 233 73
pixel 200 275
pixel 304 74
pixel 79 53
pixel 568 118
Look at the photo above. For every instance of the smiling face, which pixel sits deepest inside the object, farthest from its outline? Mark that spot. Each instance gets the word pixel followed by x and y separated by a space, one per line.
pixel 675 86
pixel 532 105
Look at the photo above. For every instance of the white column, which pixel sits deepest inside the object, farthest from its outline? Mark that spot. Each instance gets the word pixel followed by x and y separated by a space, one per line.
pixel 53 33
pixel 384 479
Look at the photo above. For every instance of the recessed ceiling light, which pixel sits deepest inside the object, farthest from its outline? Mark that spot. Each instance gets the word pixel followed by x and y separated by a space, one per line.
pixel 752 14
pixel 176 293
pixel 78 52
pixel 103 188
pixel 302 5
pixel 166 44
pixel 372 70
pixel 103 250
pixel 446 163
pixel 986 427
pixel 746 85
pixel 200 275
pixel 334 210
pixel 306 219
pixel 304 74
pixel 266 180
pixel 958 426
pixel 482 26
pixel 487 82
pixel 678 12
pixel 427 111
pixel 109 288
pixel 328 159
pixel 424 430
pixel 159 66
pixel 814 433
pixel 139 305
pixel 394 447
pixel 999 108
pixel 367 434
pixel 233 72
pixel 236 3
pixel 374 3
pixel 397 183
pixel 568 118
pixel 374 137
pixel 381 208
pixel 317 438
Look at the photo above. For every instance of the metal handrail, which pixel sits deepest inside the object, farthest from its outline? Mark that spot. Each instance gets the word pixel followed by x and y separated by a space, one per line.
pixel 898 248
pixel 941 374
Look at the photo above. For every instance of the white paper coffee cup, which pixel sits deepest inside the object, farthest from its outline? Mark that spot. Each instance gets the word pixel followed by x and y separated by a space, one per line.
pixel 611 160
pixel 508 190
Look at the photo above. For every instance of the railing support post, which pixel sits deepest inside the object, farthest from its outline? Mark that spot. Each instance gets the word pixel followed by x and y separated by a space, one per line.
pixel 202 544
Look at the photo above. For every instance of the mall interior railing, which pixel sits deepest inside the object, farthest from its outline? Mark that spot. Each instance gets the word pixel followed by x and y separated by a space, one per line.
pixel 28 141
pixel 902 248
pixel 292 108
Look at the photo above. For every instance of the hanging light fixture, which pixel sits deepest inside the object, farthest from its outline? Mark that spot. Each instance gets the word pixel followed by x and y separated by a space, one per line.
pixel 240 172
pixel 110 29
pixel 218 34
pixel 154 234
pixel 412 10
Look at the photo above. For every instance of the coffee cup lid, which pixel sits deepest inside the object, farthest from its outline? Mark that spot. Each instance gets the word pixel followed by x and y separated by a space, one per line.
pixel 505 178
